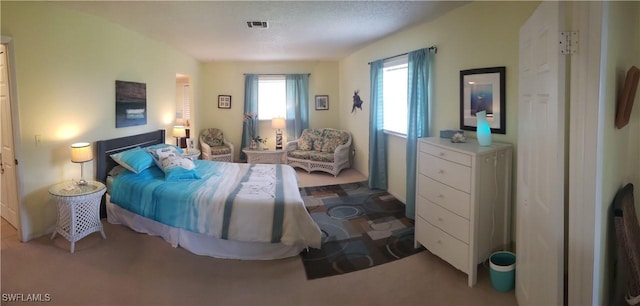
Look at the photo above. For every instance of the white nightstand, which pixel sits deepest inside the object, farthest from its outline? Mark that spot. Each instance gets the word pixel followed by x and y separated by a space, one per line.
pixel 260 156
pixel 78 209
pixel 191 154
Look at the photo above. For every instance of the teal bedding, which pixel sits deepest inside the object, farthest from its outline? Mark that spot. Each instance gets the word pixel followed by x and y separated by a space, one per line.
pixel 244 202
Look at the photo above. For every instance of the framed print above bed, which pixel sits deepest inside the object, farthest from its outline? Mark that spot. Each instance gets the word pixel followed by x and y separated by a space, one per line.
pixel 483 90
pixel 131 104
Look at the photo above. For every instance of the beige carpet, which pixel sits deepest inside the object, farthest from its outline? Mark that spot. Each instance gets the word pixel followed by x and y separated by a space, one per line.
pixel 318 178
pixel 129 268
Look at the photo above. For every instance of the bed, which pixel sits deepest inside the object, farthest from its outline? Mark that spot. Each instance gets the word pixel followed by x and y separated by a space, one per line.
pixel 235 211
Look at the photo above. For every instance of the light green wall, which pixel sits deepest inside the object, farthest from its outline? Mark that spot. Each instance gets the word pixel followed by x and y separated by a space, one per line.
pixel 477 35
pixel 621 147
pixel 66 64
pixel 227 78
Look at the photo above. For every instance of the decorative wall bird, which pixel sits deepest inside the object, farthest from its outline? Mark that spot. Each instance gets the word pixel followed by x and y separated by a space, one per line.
pixel 357 102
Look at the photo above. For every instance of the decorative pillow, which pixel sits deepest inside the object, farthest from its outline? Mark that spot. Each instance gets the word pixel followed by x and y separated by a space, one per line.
pixel 157 153
pixel 175 170
pixel 162 145
pixel 318 139
pixel 213 137
pixel 134 160
pixel 219 150
pixel 332 139
pixel 306 141
pixel 174 165
pixel 117 170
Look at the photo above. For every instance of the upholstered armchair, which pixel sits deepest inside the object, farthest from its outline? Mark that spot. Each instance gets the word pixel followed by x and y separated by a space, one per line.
pixel 214 146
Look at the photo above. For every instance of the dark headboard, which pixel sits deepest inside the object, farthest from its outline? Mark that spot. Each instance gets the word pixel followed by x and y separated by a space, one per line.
pixel 104 148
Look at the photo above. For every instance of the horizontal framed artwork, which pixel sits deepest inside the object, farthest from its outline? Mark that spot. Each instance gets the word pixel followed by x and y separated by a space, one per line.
pixel 483 90
pixel 224 101
pixel 322 102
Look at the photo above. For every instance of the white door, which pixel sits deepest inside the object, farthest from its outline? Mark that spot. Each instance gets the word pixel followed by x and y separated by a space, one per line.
pixel 8 179
pixel 540 183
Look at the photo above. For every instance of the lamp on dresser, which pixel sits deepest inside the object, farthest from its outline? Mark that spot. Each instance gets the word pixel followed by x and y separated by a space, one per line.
pixel 179 132
pixel 278 123
pixel 81 152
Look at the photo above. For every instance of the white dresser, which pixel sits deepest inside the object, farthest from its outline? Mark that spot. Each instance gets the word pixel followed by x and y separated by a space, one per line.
pixel 463 201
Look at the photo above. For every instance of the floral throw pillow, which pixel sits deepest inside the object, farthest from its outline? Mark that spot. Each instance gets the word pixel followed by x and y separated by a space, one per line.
pixel 213 137
pixel 306 141
pixel 332 139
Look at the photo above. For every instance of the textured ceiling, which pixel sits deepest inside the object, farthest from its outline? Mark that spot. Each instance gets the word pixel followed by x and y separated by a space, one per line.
pixel 298 30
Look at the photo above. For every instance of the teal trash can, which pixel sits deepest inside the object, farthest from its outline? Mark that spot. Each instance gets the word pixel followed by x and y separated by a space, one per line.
pixel 502 267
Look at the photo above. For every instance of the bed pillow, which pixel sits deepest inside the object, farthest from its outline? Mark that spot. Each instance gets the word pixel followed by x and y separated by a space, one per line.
pixel 161 146
pixel 117 170
pixel 134 160
pixel 175 166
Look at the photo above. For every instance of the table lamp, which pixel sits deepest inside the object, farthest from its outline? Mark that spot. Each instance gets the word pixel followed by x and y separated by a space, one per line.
pixel 278 123
pixel 80 153
pixel 179 132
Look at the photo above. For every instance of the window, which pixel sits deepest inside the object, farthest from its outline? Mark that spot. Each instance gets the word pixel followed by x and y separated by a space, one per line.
pixel 394 95
pixel 272 97
pixel 183 101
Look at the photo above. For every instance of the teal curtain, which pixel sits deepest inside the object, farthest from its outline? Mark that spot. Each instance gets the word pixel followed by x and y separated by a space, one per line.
pixel 250 108
pixel 297 104
pixel 418 94
pixel 377 137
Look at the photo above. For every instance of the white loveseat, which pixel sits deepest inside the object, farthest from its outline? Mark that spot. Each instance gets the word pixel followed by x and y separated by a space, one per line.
pixel 320 150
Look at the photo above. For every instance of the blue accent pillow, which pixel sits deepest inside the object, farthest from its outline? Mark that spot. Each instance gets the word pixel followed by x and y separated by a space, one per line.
pixel 134 160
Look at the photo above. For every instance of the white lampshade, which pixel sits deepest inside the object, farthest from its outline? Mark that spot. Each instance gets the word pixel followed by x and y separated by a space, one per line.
pixel 278 123
pixel 179 131
pixel 81 152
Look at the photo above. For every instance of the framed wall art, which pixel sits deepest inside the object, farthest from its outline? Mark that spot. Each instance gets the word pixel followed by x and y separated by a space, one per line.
pixel 483 90
pixel 322 102
pixel 224 101
pixel 131 104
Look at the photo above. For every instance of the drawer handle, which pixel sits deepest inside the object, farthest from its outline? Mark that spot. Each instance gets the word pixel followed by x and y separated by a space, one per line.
pixel 439 241
pixel 440 219
pixel 442 154
pixel 441 196
pixel 441 171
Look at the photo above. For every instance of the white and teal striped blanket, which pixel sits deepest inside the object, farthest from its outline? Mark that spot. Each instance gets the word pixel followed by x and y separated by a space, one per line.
pixel 245 202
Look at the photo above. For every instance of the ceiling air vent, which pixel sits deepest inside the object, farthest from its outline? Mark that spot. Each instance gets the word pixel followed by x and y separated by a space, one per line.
pixel 257 24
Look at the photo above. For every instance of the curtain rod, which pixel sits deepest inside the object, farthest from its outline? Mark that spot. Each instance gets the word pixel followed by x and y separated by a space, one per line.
pixel 434 48
pixel 309 74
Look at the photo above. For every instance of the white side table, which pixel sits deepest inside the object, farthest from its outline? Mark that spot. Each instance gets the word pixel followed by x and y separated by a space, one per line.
pixel 78 209
pixel 260 156
pixel 191 154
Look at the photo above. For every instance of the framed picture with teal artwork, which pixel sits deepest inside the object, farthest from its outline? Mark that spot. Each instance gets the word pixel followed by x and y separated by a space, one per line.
pixel 483 89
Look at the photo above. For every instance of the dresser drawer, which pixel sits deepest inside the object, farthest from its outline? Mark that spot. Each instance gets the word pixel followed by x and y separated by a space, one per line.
pixel 446 172
pixel 442 245
pixel 443 153
pixel 452 199
pixel 445 220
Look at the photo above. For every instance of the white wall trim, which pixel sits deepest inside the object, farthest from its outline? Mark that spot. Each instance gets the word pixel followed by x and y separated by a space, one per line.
pixel 17 144
pixel 585 150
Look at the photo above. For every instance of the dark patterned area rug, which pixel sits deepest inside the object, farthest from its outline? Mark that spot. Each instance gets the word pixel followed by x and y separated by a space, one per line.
pixel 361 228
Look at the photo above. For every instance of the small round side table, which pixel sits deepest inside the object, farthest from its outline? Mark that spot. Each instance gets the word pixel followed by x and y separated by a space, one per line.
pixel 78 209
